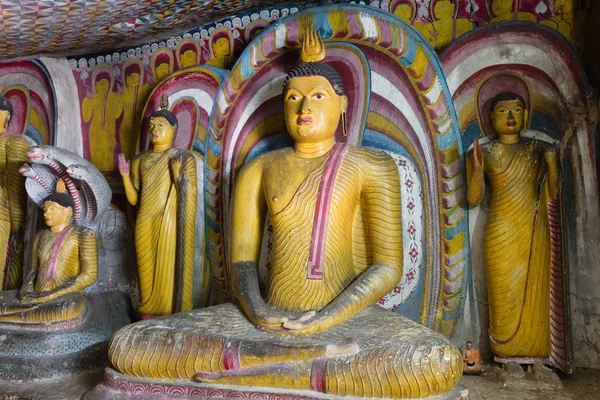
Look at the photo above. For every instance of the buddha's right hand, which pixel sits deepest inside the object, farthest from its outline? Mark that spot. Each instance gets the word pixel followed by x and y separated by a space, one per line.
pixel 123 165
pixel 268 317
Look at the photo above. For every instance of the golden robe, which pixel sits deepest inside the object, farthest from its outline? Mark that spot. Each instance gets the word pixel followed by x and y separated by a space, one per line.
pixel 517 254
pixel 165 232
pixel 13 204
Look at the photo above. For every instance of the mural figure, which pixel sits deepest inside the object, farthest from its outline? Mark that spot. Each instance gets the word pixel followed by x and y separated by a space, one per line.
pixel 13 200
pixel 322 197
pixel 162 64
pixel 130 105
pixel 221 48
pixel 407 11
pixel 446 26
pixel 188 53
pixel 523 175
pixel 508 10
pixel 65 261
pixel 163 182
pixel 562 20
pixel 98 109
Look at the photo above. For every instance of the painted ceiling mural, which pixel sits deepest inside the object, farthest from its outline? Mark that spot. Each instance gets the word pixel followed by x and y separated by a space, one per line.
pixel 55 27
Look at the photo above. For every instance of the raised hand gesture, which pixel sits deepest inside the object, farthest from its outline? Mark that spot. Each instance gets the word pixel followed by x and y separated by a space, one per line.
pixel 123 165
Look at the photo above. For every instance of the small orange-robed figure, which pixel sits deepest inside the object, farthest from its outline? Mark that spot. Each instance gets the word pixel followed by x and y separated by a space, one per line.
pixel 471 361
pixel 337 249
pixel 517 247
pixel 65 261
pixel 13 200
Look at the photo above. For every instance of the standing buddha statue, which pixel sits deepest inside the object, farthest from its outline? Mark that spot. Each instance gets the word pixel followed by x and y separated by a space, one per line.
pixel 163 181
pixel 337 249
pixel 517 245
pixel 13 200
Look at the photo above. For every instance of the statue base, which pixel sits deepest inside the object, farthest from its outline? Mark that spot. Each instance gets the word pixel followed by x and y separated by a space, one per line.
pixel 522 360
pixel 55 350
pixel 124 387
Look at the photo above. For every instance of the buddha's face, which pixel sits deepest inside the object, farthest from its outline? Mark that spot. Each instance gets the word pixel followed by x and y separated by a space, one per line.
pixel 133 80
pixel 188 58
pixel 162 71
pixel 312 109
pixel 221 47
pixel 501 7
pixel 55 214
pixel 102 86
pixel 161 132
pixel 444 9
pixel 4 117
pixel 403 11
pixel 508 117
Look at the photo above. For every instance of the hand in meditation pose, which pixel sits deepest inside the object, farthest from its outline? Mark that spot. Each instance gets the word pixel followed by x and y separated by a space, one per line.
pixel 65 261
pixel 337 249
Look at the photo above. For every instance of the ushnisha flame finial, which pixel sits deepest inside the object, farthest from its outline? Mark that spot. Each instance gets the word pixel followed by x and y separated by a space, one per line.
pixel 60 186
pixel 313 49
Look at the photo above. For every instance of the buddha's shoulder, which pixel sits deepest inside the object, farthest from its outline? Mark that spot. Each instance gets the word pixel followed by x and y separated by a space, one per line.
pixel 271 157
pixel 365 155
pixel 82 231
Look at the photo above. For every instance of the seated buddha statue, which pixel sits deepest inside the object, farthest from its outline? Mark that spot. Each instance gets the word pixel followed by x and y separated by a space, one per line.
pixel 522 174
pixel 337 249
pixel 64 263
pixel 13 200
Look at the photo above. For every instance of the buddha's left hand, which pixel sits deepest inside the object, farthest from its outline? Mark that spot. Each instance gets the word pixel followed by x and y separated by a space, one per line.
pixel 307 324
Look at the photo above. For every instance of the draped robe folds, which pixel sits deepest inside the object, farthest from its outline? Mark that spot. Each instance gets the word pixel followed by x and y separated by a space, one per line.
pixel 64 263
pixel 13 203
pixel 397 358
pixel 170 265
pixel 518 255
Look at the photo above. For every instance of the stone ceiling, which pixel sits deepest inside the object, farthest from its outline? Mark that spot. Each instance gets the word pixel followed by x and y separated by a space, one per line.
pixel 69 28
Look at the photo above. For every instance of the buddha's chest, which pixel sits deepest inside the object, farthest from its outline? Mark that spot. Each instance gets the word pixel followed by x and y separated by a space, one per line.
pixel 282 178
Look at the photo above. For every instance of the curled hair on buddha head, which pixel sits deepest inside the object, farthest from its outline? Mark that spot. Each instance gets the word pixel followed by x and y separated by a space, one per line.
pixel 506 96
pixel 6 105
pixel 313 51
pixel 164 112
pixel 317 69
pixel 60 196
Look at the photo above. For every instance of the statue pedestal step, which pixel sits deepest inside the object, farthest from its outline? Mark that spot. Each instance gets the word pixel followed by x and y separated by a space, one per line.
pixel 57 350
pixel 117 386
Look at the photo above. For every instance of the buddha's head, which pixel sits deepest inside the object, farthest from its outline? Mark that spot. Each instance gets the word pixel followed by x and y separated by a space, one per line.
pixel 314 101
pixel 404 11
pixel 58 207
pixel 6 111
pixel 508 113
pixel 133 80
pixel 221 47
pixel 162 71
pixel 443 10
pixel 162 126
pixel 188 58
pixel 102 85
pixel 502 7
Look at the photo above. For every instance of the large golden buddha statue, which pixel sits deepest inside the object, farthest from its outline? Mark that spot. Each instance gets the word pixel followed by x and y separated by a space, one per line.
pixel 523 178
pixel 64 262
pixel 337 249
pixel 13 200
pixel 163 182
